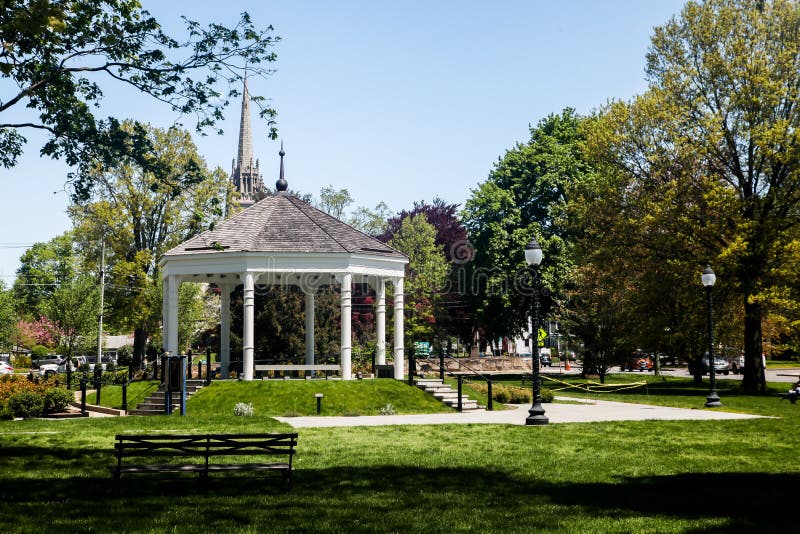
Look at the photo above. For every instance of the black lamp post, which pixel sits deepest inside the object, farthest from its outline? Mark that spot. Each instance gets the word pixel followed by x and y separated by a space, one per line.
pixel 533 257
pixel 712 401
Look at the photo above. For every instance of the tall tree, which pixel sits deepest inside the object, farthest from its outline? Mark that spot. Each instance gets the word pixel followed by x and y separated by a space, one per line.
pixel 61 55
pixel 724 86
pixel 524 196
pixel 7 316
pixel 139 216
pixel 426 275
pixel 44 267
pixel 371 221
pixel 453 316
pixel 334 201
pixel 73 308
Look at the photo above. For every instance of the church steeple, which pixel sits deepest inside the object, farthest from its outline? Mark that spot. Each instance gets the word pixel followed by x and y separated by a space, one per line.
pixel 245 175
pixel 245 154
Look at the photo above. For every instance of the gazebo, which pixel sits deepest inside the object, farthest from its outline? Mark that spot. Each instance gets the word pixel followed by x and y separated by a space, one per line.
pixel 282 240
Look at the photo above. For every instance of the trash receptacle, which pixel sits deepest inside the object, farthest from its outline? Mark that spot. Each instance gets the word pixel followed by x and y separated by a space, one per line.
pixel 384 371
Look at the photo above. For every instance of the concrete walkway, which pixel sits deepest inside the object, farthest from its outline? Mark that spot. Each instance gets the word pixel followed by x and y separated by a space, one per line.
pixel 557 413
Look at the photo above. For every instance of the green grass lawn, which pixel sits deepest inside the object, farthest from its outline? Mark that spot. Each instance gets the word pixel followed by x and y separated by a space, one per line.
pixel 645 476
pixel 291 397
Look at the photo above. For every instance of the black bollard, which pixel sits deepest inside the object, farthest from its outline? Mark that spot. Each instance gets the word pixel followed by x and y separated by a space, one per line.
pixel 189 368
pixel 125 397
pixel 319 403
pixel 83 397
pixel 200 369
pixel 97 382
pixel 441 364
pixel 489 405
pixel 460 383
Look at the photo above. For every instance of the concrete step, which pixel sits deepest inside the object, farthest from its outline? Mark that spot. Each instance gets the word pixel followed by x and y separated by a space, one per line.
pixel 439 389
pixel 471 405
pixel 422 381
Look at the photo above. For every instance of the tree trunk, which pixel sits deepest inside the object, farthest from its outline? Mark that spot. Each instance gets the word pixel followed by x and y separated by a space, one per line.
pixel 754 378
pixel 139 346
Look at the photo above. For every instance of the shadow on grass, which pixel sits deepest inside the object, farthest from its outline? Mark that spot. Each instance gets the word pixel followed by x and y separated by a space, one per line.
pixel 75 493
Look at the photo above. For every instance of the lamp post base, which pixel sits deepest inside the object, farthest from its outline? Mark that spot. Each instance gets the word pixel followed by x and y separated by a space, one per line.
pixel 712 401
pixel 536 416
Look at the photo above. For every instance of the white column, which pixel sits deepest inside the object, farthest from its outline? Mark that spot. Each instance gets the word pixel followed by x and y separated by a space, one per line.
pixel 249 319
pixel 225 329
pixel 380 323
pixel 399 334
pixel 164 312
pixel 171 344
pixel 309 311
pixel 346 344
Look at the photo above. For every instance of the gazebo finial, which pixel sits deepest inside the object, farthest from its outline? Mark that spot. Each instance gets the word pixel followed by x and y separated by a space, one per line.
pixel 281 185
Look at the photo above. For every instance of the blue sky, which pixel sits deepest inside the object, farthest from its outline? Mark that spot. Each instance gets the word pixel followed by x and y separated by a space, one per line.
pixel 395 101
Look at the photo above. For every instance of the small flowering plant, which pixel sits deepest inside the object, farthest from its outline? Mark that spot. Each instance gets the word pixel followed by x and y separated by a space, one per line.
pixel 243 409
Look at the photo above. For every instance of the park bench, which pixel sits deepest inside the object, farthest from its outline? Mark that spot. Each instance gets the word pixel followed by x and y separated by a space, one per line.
pixel 527 379
pixel 328 368
pixel 177 453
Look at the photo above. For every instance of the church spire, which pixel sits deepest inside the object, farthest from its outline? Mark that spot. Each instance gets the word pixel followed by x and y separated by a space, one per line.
pixel 245 155
pixel 245 175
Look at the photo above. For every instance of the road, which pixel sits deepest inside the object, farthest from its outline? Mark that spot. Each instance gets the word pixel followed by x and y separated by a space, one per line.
pixel 773 375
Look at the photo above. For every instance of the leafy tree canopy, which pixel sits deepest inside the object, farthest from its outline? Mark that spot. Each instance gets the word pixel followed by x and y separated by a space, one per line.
pixel 59 56
pixel 426 274
pixel 524 196
pixel 141 215
pixel 43 268
pixel 720 127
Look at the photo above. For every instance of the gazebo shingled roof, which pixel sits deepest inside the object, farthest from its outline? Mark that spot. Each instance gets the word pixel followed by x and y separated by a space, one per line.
pixel 283 223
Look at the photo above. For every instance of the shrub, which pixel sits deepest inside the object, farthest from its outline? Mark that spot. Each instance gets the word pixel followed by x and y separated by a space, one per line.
pixel 547 395
pixel 57 399
pixel 243 409
pixel 5 410
pixel 26 404
pixel 501 394
pixel 21 360
pixel 39 351
pixel 520 395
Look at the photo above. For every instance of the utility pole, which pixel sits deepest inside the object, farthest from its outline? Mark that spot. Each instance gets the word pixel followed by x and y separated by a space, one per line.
pixel 98 363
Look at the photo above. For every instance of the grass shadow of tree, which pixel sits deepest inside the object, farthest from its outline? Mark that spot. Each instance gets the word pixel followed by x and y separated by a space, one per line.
pixel 73 494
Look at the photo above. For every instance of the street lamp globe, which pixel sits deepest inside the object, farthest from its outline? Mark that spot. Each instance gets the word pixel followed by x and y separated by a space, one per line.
pixel 708 277
pixel 533 253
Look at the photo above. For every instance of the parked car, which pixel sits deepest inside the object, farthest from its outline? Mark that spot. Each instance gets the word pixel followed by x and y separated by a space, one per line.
pixel 736 364
pixel 47 360
pixel 6 369
pixel 638 361
pixel 720 365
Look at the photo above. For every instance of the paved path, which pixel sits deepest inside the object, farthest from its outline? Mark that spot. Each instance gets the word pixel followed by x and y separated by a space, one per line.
pixel 557 413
